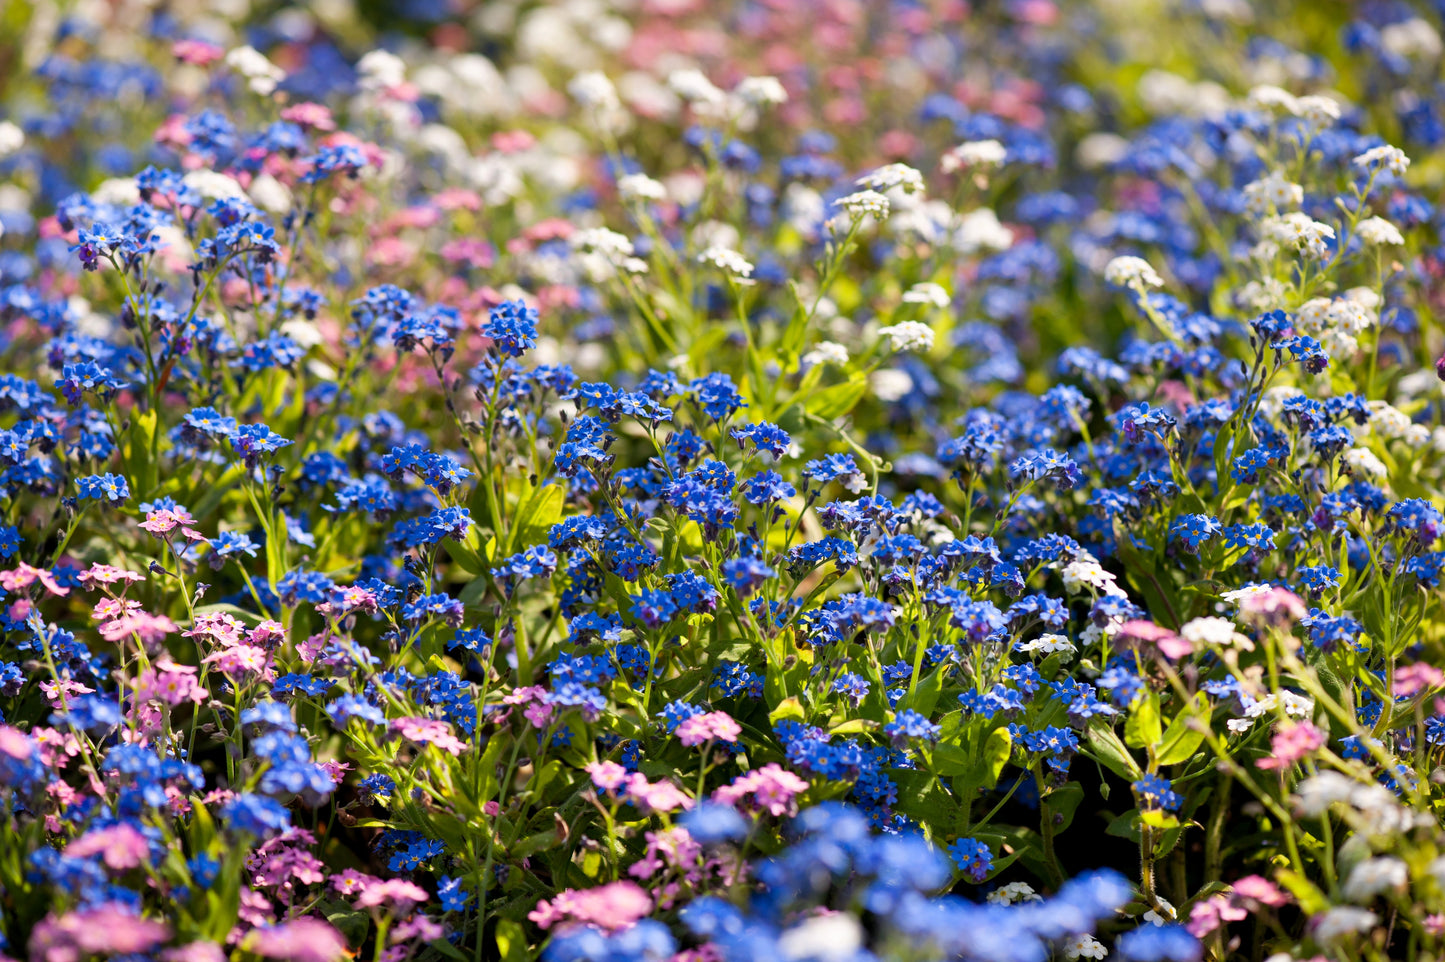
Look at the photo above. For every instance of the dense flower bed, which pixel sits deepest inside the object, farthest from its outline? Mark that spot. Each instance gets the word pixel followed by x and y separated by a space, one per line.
pixel 721 481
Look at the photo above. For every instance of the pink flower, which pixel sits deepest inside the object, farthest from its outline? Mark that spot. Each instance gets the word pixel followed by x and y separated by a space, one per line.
pixel 150 629
pixel 195 952
pixel 1277 606
pixel 64 688
pixel 196 52
pixel 538 714
pixel 121 847
pixel 103 930
pixel 99 574
pixel 174 686
pixel 1291 743
pixel 772 788
pixel 220 628
pixel 659 797
pixel 239 662
pixel 352 882
pixel 165 520
pixel 398 893
pixel 613 906
pixel 300 940
pixel 1213 912
pixel 311 115
pixel 268 635
pixel 428 731
pixel 717 725
pixel 418 927
pixel 1413 679
pixel 23 576
pixel 1169 644
pixel 1257 888
pixel 608 776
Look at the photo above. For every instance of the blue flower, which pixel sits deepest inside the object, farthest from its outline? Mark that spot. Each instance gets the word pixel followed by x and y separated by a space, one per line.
pixel 973 858
pixel 1155 791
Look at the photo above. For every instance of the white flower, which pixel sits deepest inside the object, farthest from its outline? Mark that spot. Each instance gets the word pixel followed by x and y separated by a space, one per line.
pixel 889 384
pixel 864 202
pixel 1238 726
pixel 12 138
pixel 594 91
pixel 1387 421
pixel 889 176
pixel 1238 595
pixel 1084 947
pixel 1134 272
pixel 1272 193
pixel 1160 918
pixel 1318 109
pixel 822 938
pixel 214 186
pixel 640 187
pixel 1014 892
pixel 262 75
pixel 1081 574
pixel 696 89
pixel 826 352
pixel 1274 100
pixel 980 230
pixel 927 293
pixel 1411 38
pixel 727 260
pixel 1299 230
pixel 975 153
pixel 1213 631
pixel 603 240
pixel 380 70
pixel 1318 792
pixel 1048 644
pixel 909 336
pixel 1384 157
pixel 761 91
pixel 1343 920
pixel 603 252
pixel 1378 231
pixel 1373 876
pixel 1363 461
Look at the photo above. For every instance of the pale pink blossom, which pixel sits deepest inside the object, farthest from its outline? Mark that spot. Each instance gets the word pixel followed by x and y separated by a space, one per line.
pixel 22 576
pixel 608 776
pixel 661 796
pixel 610 907
pixel 1413 679
pixel 772 789
pixel 299 940
pixel 394 892
pixel 120 846
pixel 1292 742
pixel 428 731
pixel 716 725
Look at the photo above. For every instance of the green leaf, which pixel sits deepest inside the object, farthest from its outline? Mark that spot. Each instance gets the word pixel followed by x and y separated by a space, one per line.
pixel 138 464
pixel 950 760
pixel 1111 753
pixel 511 943
pixel 996 751
pixel 831 403
pixel 1158 818
pixel 541 510
pixel 1183 737
pixel 1143 729
pixel 788 708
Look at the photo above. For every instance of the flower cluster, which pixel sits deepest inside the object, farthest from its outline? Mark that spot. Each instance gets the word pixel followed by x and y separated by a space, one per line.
pixel 615 481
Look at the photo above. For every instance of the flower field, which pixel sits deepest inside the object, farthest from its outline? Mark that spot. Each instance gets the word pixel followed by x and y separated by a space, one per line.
pixel 737 481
